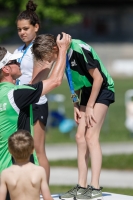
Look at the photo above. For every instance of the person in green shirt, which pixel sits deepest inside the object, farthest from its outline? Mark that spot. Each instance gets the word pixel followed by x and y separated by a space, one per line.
pixel 94 87
pixel 16 100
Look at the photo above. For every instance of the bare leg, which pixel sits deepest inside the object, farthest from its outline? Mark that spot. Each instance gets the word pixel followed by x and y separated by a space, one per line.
pixel 92 138
pixel 82 151
pixel 39 143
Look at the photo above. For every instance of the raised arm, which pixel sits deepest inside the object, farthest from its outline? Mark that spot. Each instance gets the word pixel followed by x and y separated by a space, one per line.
pixel 57 73
pixel 3 188
pixel 41 70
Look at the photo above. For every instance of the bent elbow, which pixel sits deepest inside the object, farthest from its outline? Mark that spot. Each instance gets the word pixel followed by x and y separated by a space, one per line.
pixel 57 82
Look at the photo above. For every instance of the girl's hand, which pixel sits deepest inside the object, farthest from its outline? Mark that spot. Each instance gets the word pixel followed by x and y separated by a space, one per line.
pixel 77 114
pixel 89 117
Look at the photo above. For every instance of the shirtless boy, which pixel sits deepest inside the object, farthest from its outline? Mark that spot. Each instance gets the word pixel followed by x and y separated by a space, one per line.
pixel 23 180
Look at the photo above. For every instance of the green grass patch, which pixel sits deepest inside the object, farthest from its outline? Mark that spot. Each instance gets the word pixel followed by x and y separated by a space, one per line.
pixel 113 130
pixel 121 162
pixel 59 189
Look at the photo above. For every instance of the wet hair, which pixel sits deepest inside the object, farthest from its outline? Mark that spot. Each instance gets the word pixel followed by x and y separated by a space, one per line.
pixel 29 14
pixel 21 145
pixel 3 52
pixel 43 46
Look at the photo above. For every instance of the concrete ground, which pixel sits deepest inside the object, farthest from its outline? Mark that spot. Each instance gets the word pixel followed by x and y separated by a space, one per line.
pixel 69 151
pixel 108 178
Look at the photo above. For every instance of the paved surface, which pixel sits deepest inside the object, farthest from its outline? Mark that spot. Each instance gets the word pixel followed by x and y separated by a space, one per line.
pixel 69 151
pixel 108 178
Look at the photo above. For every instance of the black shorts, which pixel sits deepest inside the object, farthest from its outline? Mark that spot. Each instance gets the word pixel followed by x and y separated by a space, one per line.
pixel 105 96
pixel 40 112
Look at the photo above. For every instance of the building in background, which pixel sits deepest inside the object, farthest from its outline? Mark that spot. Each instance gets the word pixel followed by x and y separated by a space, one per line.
pixel 103 21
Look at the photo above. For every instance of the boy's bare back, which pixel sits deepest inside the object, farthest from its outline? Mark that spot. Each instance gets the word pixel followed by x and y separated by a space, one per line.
pixel 25 182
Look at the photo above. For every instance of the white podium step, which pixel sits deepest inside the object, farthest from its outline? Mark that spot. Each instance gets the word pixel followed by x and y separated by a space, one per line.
pixel 106 196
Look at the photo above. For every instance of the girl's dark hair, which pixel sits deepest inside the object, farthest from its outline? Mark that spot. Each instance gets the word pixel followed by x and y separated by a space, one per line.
pixel 29 14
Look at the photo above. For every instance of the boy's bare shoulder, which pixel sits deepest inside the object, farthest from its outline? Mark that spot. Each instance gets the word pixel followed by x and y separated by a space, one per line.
pixel 39 168
pixel 32 166
pixel 40 171
pixel 6 171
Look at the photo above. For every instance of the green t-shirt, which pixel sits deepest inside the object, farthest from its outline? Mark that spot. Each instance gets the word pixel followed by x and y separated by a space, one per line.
pixel 15 113
pixel 83 57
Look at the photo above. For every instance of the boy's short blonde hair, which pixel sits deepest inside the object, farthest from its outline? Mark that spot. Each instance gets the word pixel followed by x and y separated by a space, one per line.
pixel 21 145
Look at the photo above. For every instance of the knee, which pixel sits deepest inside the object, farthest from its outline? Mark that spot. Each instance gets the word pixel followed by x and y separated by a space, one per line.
pixel 80 138
pixel 92 141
